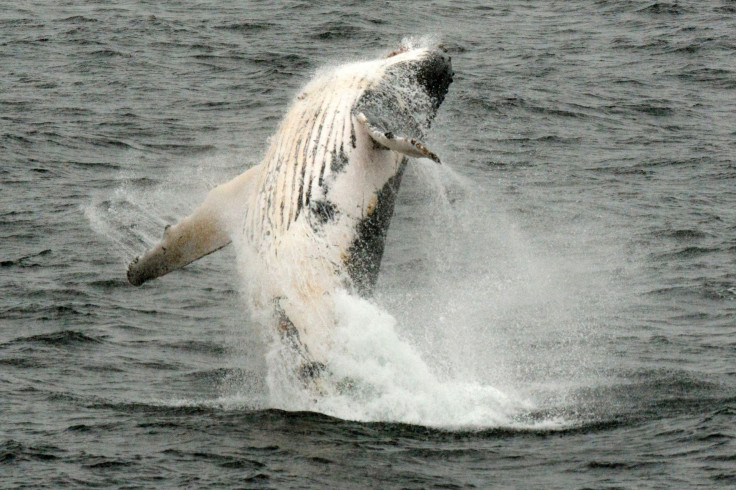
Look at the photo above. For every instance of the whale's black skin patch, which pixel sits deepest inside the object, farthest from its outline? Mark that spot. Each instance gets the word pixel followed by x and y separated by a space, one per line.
pixel 385 110
pixel 435 75
pixel 364 256
pixel 339 162
pixel 321 212
pixel 401 106
pixel 299 199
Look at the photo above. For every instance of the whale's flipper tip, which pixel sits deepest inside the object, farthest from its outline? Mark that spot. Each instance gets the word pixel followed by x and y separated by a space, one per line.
pixel 133 273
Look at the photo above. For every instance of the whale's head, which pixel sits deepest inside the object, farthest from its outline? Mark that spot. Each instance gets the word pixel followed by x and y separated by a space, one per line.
pixel 408 86
pixel 428 68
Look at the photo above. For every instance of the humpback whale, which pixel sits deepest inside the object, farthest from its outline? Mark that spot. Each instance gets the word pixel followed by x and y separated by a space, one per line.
pixel 311 219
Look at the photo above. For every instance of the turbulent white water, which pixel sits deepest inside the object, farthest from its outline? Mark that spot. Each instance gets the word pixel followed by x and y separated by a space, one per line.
pixel 385 378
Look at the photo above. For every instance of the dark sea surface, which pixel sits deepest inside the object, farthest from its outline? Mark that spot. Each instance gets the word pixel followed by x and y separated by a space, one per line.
pixel 567 277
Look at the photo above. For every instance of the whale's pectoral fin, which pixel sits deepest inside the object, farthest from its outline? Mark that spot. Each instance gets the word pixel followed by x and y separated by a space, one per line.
pixel 405 144
pixel 201 233
pixel 190 239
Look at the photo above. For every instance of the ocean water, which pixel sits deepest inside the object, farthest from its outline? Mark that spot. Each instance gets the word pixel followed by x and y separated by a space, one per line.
pixel 557 301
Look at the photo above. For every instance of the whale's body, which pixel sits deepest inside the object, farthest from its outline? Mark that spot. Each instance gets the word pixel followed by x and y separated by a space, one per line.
pixel 311 219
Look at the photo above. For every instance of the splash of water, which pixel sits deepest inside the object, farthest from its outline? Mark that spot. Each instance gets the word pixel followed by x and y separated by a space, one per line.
pixel 381 377
pixel 132 217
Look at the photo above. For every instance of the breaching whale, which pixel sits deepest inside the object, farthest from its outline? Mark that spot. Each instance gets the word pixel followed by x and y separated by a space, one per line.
pixel 311 219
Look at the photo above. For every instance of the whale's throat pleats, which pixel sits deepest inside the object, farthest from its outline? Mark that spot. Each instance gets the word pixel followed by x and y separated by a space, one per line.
pixel 312 146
